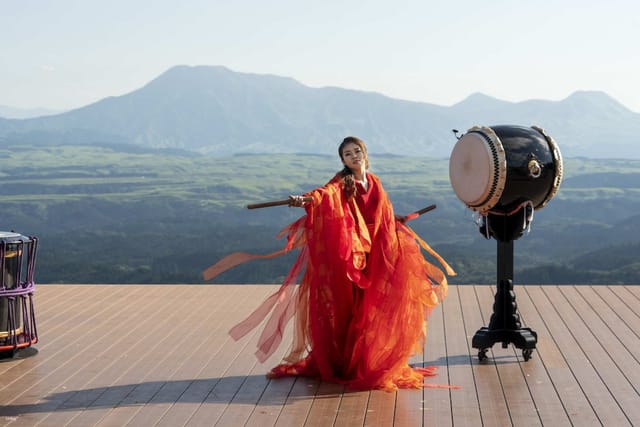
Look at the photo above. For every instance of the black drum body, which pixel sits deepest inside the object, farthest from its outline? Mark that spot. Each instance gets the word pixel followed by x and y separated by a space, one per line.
pixel 17 264
pixel 498 169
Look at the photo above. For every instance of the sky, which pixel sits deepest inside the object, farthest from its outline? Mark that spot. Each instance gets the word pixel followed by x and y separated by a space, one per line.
pixel 65 54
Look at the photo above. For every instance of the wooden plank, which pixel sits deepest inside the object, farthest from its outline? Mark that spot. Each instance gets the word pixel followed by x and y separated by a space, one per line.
pixel 185 389
pixel 58 324
pixel 61 363
pixel 324 409
pixel 353 409
pixel 160 397
pixel 57 297
pixel 626 307
pixel 139 349
pixel 540 370
pixel 476 303
pixel 380 409
pixel 569 333
pixel 553 348
pixel 437 401
pixel 61 366
pixel 276 395
pixel 624 322
pixel 600 345
pixel 409 408
pixel 298 405
pixel 60 297
pixel 52 324
pixel 271 403
pixel 177 382
pixel 70 299
pixel 177 365
pixel 190 401
pixel 632 289
pixel 259 401
pixel 522 409
pixel 245 399
pixel 86 386
pixel 73 315
pixel 156 340
pixel 465 400
pixel 251 391
pixel 238 365
pixel 87 389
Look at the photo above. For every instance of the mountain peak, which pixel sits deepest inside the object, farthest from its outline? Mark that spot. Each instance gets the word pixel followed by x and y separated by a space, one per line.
pixel 479 99
pixel 200 73
pixel 593 97
pixel 582 95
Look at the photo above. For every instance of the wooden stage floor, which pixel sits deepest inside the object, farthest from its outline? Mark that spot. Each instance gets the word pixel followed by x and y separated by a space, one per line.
pixel 159 355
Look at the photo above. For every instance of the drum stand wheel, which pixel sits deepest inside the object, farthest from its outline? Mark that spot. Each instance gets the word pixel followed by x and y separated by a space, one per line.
pixel 482 354
pixel 526 354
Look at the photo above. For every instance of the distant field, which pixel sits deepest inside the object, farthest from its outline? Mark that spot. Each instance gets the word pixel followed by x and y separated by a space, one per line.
pixel 113 214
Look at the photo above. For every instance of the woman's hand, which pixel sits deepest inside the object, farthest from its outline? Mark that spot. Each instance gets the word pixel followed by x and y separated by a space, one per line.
pixel 401 219
pixel 296 201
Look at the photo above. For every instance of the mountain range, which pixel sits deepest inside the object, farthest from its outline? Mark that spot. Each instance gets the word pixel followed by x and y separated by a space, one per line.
pixel 216 111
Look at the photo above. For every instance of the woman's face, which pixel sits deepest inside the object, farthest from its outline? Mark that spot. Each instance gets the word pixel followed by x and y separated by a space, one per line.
pixel 354 157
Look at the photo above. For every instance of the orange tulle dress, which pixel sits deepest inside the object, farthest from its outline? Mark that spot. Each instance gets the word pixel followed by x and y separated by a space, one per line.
pixel 361 307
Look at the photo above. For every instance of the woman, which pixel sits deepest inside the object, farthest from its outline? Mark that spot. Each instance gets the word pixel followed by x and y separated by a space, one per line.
pixel 360 310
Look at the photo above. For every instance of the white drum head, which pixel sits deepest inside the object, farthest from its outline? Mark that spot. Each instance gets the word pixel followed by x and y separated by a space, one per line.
pixel 471 169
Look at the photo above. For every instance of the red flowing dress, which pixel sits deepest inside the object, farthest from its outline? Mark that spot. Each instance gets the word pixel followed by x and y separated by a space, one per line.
pixel 361 308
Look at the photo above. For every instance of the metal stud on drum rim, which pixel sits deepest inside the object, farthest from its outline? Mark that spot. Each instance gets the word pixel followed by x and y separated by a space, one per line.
pixel 557 160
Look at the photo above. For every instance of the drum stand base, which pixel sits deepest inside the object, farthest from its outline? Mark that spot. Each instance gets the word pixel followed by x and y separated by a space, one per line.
pixel 504 325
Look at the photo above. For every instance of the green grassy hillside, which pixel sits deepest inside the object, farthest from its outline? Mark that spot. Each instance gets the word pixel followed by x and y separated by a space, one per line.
pixel 116 214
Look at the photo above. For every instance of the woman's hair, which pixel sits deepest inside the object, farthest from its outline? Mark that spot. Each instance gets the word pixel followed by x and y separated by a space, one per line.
pixel 349 183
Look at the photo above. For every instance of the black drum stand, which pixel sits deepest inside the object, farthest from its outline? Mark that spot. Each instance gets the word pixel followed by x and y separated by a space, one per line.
pixel 505 326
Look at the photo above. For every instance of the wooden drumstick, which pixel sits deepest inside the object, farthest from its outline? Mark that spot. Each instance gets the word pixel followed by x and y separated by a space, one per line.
pixel 417 213
pixel 276 203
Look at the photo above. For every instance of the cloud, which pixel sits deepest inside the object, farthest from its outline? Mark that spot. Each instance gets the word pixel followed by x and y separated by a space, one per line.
pixel 48 68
